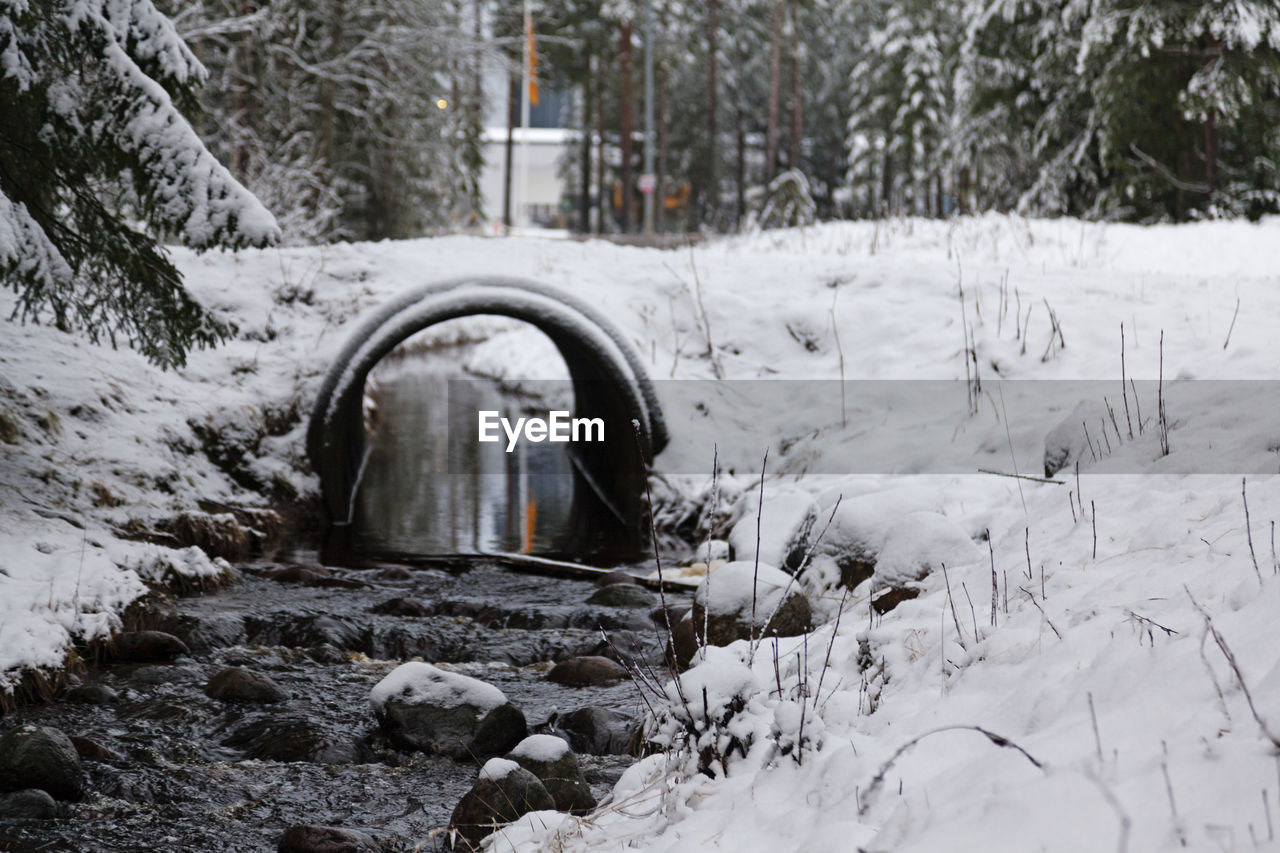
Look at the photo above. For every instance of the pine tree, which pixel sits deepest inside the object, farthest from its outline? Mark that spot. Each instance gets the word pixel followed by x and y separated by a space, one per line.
pixel 92 140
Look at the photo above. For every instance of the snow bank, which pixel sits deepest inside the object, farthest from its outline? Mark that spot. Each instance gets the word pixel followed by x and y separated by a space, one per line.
pixel 1094 580
pixel 417 683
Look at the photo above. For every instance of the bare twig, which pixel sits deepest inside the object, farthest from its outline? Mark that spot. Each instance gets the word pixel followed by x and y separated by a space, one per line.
pixel 952 602
pixel 1233 324
pixel 1093 517
pixel 1021 477
pixel 998 740
pixel 755 572
pixel 1093 718
pixel 994 584
pixel 1049 621
pixel 1248 528
pixel 1162 415
pixel 1124 390
pixel 973 612
pixel 1235 668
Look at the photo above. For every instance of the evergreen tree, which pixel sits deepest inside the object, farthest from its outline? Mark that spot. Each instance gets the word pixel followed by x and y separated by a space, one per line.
pixel 91 142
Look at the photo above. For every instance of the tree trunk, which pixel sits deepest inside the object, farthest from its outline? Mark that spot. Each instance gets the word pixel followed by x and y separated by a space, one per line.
pixel 584 200
pixel 625 119
pixel 1211 132
pixel 740 134
pixel 797 103
pixel 775 79
pixel 712 202
pixel 513 92
pixel 603 196
pixel 660 199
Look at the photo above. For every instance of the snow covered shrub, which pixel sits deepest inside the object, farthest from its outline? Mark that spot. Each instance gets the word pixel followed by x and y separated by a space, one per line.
pixel 704 711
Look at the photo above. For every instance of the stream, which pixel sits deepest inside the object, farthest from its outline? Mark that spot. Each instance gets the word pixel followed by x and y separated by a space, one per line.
pixel 171 769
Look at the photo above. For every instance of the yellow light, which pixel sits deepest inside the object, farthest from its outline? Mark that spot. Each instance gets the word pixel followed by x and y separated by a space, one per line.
pixel 442 104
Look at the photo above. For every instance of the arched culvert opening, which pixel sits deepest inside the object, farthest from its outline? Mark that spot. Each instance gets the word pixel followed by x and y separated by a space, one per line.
pixel 607 516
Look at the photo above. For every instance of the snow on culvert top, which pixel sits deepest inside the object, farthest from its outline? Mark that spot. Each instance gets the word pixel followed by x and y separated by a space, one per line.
pixel 498 768
pixel 920 543
pixel 418 683
pixel 728 589
pixel 541 748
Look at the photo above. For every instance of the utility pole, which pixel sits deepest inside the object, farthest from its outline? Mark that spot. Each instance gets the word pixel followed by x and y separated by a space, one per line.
pixel 523 195
pixel 648 181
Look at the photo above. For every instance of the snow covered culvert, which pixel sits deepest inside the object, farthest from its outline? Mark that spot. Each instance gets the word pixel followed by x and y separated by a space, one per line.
pixel 608 378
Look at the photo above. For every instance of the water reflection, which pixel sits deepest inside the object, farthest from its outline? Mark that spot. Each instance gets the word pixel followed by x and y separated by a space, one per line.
pixel 415 499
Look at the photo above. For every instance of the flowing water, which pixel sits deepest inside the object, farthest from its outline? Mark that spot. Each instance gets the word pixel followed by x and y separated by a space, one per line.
pixel 175 770
pixel 429 488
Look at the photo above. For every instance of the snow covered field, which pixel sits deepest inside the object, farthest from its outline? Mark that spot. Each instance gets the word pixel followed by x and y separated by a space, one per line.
pixel 1131 720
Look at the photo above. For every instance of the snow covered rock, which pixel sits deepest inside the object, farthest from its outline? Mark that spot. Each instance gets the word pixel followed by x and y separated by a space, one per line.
pixel 1066 443
pixel 724 604
pixel 503 792
pixel 920 544
pixel 423 707
pixel 785 527
pixel 553 762
pixel 858 529
pixel 40 757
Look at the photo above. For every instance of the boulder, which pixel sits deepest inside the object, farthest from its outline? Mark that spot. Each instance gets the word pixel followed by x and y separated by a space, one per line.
pixel 623 595
pixel 237 684
pixel 684 643
pixel 325 839
pixel 553 762
pixel 503 792
pixel 743 600
pixel 785 528
pixel 148 647
pixel 919 544
pixel 394 573
pixel 92 694
pixel 587 671
pixel 404 607
pixel 291 739
pixel 423 707
pixel 91 750
pixel 615 577
pixel 28 804
pixel 596 731
pixel 40 757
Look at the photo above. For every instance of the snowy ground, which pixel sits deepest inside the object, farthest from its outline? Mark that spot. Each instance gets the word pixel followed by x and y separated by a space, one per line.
pixel 1144 736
